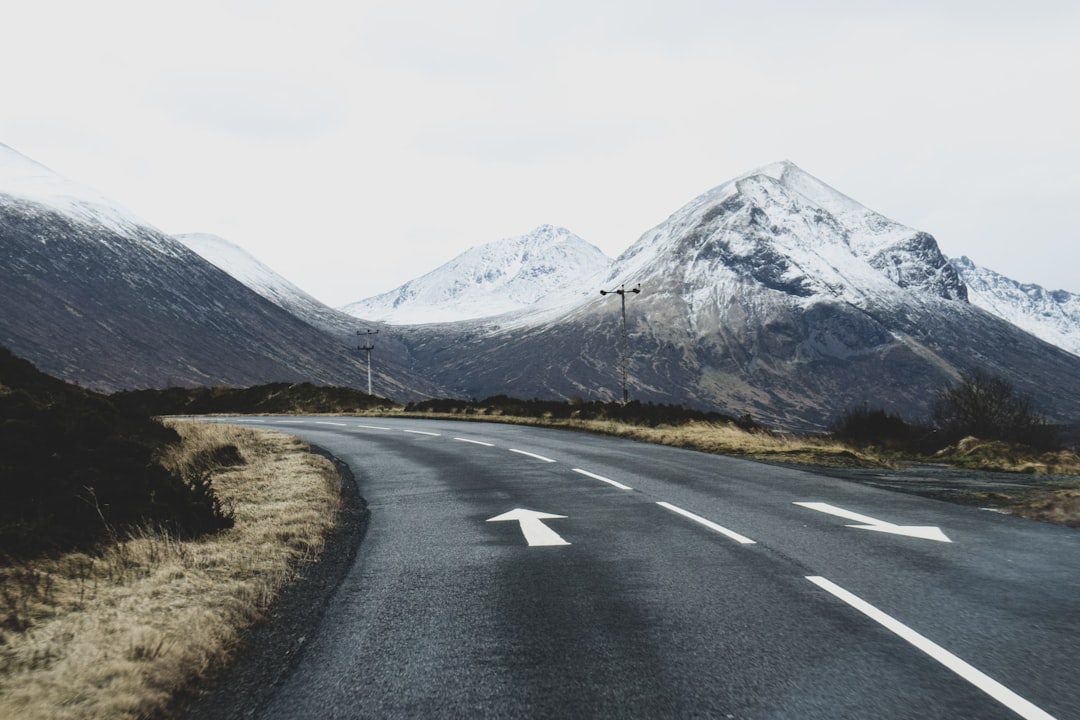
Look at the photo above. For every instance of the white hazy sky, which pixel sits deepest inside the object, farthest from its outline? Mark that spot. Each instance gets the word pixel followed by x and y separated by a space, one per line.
pixel 352 146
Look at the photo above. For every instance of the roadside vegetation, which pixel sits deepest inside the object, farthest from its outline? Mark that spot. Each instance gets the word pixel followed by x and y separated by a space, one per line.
pixel 134 553
pixel 661 424
pixel 114 631
pixel 76 470
pixel 981 423
pixel 275 398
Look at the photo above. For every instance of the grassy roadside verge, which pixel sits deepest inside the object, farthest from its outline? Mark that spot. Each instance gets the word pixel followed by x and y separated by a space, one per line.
pixel 711 437
pixel 115 633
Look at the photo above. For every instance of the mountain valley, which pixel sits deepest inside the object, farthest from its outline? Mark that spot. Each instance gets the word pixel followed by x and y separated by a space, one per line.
pixel 771 295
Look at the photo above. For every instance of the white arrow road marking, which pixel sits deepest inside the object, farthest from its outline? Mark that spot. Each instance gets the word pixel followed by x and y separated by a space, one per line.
pixel 709 524
pixel 988 685
pixel 532 455
pixel 925 532
pixel 601 478
pixel 535 532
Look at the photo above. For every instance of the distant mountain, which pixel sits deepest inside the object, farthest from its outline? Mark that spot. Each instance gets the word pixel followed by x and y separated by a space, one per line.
pixel 389 364
pixel 92 294
pixel 772 294
pixel 509 275
pixel 1051 315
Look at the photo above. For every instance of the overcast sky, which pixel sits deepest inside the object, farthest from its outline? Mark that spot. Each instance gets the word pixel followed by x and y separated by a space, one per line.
pixel 352 146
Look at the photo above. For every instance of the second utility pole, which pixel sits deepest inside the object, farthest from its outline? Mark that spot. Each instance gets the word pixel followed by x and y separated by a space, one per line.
pixel 621 292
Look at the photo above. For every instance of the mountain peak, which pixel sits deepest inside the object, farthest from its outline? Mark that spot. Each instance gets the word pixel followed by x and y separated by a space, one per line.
pixel 783 228
pixel 488 280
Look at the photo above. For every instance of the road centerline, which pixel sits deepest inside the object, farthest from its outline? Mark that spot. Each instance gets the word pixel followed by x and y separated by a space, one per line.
pixel 988 685
pixel 474 442
pixel 423 432
pixel 601 478
pixel 742 539
pixel 532 455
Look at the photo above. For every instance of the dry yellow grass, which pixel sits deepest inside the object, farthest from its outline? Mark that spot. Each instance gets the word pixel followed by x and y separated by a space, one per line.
pixel 1007 457
pixel 1055 505
pixel 116 633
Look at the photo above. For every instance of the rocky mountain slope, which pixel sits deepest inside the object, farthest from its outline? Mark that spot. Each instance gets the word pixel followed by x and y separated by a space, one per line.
pixel 94 295
pixel 509 275
pixel 1051 315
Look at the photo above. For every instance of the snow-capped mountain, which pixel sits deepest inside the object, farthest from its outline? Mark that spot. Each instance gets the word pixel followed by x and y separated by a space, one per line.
pixel 1052 315
pixel 91 294
pixel 493 279
pixel 774 295
pixel 782 229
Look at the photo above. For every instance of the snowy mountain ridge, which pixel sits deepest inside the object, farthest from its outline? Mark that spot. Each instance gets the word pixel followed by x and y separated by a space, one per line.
pixel 514 274
pixel 1051 315
pixel 24 179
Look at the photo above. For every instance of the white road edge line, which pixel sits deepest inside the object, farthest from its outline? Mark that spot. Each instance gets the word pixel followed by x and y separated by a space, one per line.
pixel 709 524
pixel 532 455
pixel 988 685
pixel 474 442
pixel 422 432
pixel 372 427
pixel 601 478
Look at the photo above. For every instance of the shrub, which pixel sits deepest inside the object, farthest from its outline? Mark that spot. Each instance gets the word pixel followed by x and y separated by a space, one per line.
pixel 987 407
pixel 75 469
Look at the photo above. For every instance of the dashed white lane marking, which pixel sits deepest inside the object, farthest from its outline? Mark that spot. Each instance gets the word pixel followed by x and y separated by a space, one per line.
pixel 601 478
pixel 709 524
pixel 422 432
pixel 474 442
pixel 372 427
pixel 532 455
pixel 336 424
pixel 988 685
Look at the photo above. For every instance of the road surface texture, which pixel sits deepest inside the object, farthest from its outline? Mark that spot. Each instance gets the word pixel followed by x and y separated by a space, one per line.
pixel 517 572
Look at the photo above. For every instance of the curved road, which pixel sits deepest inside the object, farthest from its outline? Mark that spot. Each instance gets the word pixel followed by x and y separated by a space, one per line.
pixel 671 583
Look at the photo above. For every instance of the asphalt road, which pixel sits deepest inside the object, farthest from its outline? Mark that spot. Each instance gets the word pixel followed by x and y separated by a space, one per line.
pixel 672 584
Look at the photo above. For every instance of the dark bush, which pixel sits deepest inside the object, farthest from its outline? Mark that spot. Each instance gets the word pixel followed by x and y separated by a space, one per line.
pixel 987 407
pixel 74 468
pixel 634 413
pixel 270 398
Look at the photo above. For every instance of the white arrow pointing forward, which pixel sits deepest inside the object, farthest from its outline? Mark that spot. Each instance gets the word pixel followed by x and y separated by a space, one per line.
pixel 925 532
pixel 535 532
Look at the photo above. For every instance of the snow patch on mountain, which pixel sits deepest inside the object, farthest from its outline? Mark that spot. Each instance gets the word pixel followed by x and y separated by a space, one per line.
pixel 24 179
pixel 1050 315
pixel 532 271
